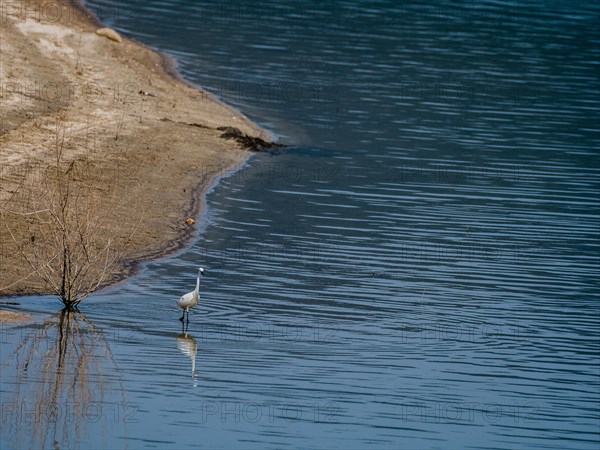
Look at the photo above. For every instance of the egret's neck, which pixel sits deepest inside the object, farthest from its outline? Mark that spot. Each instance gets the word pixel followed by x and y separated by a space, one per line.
pixel 198 284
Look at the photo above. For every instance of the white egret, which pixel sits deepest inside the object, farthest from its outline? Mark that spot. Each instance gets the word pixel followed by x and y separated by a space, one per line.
pixel 190 299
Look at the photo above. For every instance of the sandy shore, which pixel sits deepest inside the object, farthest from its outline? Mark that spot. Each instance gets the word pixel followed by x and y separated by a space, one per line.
pixel 146 138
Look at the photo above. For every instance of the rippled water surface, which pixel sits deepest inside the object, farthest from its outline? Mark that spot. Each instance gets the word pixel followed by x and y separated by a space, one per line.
pixel 418 270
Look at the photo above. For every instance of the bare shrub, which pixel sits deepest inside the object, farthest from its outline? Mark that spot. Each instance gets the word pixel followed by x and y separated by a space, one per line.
pixel 71 242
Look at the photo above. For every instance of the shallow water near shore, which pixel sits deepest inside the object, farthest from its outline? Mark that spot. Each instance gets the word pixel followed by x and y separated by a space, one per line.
pixel 418 270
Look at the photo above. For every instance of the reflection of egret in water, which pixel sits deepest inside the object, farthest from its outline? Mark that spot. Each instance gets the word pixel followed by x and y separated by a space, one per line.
pixel 64 383
pixel 189 347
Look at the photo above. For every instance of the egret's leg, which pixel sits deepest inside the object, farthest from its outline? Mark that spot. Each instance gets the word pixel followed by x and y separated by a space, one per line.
pixel 181 318
pixel 188 316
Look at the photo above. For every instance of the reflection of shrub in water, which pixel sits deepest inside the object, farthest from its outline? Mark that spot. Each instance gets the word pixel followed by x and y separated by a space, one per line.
pixel 64 385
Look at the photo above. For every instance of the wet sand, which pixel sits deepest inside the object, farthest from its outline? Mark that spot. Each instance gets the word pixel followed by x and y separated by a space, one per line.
pixel 149 143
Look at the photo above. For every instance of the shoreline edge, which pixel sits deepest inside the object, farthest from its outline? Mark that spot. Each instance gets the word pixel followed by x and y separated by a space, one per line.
pixel 152 138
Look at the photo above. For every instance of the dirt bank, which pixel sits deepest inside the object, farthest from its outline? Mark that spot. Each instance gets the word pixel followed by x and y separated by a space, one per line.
pixel 145 143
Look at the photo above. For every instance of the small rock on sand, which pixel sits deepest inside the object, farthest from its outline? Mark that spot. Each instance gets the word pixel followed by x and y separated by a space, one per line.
pixel 109 33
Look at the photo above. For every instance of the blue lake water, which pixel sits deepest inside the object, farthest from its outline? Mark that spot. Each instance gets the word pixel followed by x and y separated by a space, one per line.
pixel 419 269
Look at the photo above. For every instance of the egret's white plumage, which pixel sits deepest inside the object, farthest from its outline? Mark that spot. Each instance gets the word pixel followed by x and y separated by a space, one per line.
pixel 189 300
